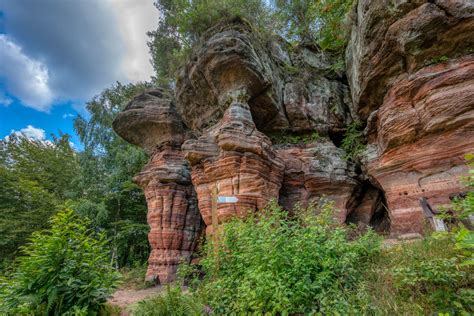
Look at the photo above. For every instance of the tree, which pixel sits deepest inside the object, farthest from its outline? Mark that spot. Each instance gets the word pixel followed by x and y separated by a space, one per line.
pixel 63 269
pixel 183 22
pixel 35 177
pixel 320 22
pixel 106 192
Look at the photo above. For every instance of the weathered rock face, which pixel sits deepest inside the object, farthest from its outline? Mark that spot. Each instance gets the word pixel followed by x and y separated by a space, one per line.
pixel 151 121
pixel 395 38
pixel 316 170
pixel 233 58
pixel 238 160
pixel 173 215
pixel 420 116
pixel 424 128
pixel 410 73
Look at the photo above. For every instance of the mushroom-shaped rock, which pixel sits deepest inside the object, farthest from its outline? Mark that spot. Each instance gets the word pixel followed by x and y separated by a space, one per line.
pixel 231 58
pixel 151 122
pixel 150 119
pixel 238 160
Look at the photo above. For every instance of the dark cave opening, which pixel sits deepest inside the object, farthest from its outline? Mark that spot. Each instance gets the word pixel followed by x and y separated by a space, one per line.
pixel 370 209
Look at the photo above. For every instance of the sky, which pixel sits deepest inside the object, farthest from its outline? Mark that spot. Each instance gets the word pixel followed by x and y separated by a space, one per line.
pixel 55 55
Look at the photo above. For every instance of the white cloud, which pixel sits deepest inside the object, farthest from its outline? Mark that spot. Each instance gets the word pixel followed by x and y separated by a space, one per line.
pixel 66 115
pixel 134 19
pixel 30 132
pixel 25 77
pixel 5 100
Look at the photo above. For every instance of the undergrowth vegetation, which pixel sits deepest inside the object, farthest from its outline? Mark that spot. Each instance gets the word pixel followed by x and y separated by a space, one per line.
pixel 269 263
pixel 64 270
pixel 284 138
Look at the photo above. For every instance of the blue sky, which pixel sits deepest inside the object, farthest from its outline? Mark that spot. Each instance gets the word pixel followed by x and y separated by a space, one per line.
pixel 57 54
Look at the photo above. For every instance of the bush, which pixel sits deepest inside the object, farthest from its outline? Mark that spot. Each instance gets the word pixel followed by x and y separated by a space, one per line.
pixel 266 263
pixel 422 277
pixel 172 303
pixel 64 270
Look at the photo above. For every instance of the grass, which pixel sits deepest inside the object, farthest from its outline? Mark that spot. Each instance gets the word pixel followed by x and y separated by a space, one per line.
pixel 134 278
pixel 418 278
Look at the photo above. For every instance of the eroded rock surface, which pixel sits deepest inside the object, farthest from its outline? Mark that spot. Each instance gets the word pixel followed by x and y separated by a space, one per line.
pixel 424 128
pixel 395 38
pixel 409 80
pixel 410 70
pixel 316 170
pixel 151 121
pixel 238 160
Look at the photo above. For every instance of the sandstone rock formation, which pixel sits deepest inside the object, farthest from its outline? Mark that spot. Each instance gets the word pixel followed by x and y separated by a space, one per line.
pixel 151 121
pixel 316 170
pixel 238 160
pixel 411 75
pixel 244 112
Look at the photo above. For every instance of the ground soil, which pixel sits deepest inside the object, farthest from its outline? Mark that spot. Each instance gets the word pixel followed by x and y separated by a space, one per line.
pixel 125 298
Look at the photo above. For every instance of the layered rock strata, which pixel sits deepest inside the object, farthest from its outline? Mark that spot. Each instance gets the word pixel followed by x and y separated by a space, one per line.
pixel 237 160
pixel 409 80
pixel 411 76
pixel 425 126
pixel 317 170
pixel 151 121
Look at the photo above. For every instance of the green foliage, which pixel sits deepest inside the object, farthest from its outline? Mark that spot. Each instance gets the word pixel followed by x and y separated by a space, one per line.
pixel 422 277
pixel 35 178
pixel 284 138
pixel 106 193
pixel 183 22
pixel 352 143
pixel 266 263
pixel 134 277
pixel 64 270
pixel 439 59
pixel 460 210
pixel 319 22
pixel 171 303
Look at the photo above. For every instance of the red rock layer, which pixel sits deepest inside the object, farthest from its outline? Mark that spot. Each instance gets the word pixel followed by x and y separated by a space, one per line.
pixel 173 216
pixel 150 121
pixel 237 159
pixel 399 38
pixel 316 170
pixel 424 128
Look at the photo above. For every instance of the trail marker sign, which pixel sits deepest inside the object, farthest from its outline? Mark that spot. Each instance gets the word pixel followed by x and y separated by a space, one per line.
pixel 227 199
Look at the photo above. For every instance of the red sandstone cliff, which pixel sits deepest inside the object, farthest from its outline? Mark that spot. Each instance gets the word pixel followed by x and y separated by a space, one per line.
pixel 235 95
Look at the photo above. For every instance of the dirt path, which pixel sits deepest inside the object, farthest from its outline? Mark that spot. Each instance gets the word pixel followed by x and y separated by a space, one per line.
pixel 125 298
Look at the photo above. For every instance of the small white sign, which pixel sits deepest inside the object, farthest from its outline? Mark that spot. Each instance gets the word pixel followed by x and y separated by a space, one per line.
pixel 439 225
pixel 227 199
pixel 471 218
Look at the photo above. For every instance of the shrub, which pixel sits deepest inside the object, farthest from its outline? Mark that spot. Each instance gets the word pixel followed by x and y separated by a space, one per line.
pixel 134 278
pixel 353 139
pixel 285 138
pixel 266 263
pixel 64 270
pixel 421 277
pixel 171 303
